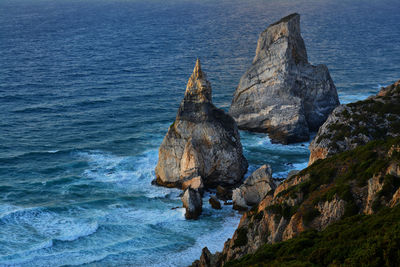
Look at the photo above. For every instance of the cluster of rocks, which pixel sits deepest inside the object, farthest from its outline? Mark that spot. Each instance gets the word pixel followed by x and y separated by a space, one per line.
pixel 281 94
pixel 285 96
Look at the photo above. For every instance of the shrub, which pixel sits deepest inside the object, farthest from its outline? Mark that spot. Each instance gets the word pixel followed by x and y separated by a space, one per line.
pixel 241 238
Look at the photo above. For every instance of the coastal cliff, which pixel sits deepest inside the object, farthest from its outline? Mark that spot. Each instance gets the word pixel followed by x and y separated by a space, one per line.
pixel 360 181
pixel 355 124
pixel 282 93
pixel 360 176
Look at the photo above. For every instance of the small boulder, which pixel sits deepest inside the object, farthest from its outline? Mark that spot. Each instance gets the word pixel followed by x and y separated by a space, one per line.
pixel 254 189
pixel 192 202
pixel 214 202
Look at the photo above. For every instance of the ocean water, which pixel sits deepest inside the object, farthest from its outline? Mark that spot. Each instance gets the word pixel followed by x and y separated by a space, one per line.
pixel 88 89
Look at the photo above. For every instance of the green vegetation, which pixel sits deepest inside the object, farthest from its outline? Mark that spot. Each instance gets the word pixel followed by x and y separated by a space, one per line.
pixel 241 239
pixel 259 216
pixel 283 210
pixel 360 240
pixel 309 214
pixel 357 165
pixel 338 176
pixel 368 118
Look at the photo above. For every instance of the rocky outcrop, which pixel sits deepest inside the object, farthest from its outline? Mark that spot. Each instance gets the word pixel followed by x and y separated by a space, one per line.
pixel 355 124
pixel 361 181
pixel 202 146
pixel 207 259
pixel 192 202
pixel 254 188
pixel 281 93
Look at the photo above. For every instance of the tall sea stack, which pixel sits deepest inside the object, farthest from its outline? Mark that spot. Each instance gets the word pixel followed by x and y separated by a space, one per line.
pixel 202 146
pixel 282 93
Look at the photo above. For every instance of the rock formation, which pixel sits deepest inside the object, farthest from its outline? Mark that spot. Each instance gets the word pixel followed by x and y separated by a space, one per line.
pixel 254 188
pixel 281 93
pixel 361 181
pixel 357 123
pixel 192 202
pixel 202 142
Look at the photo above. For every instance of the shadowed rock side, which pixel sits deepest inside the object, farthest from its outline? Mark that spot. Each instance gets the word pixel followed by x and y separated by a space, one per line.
pixel 365 180
pixel 357 123
pixel 202 144
pixel 281 93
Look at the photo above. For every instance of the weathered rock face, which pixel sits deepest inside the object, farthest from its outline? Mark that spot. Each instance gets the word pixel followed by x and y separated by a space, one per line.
pixel 202 142
pixel 254 188
pixel 357 123
pixel 192 202
pixel 281 93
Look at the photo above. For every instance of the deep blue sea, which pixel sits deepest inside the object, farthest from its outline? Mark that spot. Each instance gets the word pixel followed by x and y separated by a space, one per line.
pixel 88 89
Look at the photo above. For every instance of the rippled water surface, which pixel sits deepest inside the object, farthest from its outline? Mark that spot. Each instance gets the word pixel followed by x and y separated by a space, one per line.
pixel 89 88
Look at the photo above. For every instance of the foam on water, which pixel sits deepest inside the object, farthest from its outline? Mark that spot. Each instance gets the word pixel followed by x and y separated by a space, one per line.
pixel 100 232
pixel 88 93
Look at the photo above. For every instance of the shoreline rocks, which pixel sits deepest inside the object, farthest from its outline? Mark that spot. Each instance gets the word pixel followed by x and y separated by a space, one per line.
pixel 282 94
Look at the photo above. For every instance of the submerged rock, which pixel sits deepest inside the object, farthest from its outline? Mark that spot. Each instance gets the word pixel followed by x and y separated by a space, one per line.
pixel 355 124
pixel 254 189
pixel 192 202
pixel 202 142
pixel 281 93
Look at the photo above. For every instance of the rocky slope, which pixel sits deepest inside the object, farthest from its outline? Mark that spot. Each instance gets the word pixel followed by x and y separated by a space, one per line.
pixel 202 147
pixel 281 93
pixel 357 123
pixel 359 181
pixel 362 240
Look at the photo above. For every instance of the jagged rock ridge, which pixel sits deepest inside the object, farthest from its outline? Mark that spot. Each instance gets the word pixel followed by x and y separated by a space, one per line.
pixel 281 93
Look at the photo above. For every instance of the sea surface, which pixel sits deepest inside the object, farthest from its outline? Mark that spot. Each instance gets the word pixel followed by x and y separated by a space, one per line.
pixel 88 89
